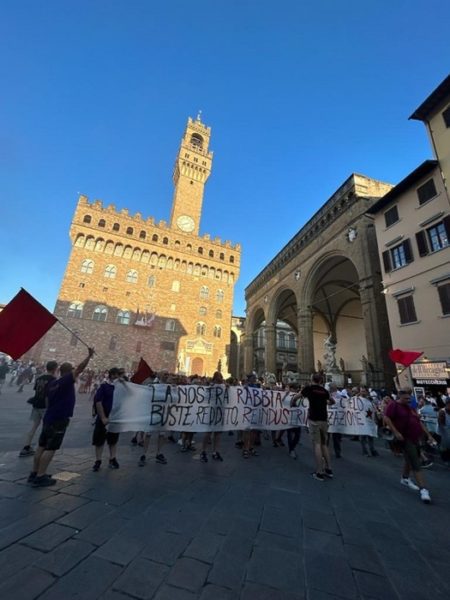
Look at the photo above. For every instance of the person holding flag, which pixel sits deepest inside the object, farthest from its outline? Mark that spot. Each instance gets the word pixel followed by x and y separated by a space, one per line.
pixel 61 403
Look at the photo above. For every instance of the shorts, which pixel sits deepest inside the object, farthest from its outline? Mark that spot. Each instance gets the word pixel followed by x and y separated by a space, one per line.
pixel 411 452
pixel 52 434
pixel 318 431
pixel 37 414
pixel 102 435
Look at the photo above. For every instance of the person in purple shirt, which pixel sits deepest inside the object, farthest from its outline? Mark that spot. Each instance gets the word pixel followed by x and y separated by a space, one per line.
pixel 405 424
pixel 103 401
pixel 60 405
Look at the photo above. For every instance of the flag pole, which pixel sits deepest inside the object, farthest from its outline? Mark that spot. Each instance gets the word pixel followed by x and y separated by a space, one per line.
pixel 73 333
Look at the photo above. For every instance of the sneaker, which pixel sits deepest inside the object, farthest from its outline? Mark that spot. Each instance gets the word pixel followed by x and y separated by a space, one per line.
pixel 425 496
pixel 31 477
pixel 113 464
pixel 409 483
pixel 204 457
pixel 43 481
pixel 217 456
pixel 329 473
pixel 293 454
pixel 318 476
pixel 26 451
pixel 142 461
pixel 96 466
pixel 161 459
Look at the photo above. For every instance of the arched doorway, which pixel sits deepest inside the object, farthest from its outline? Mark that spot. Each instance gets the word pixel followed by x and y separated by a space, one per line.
pixel 336 309
pixel 197 366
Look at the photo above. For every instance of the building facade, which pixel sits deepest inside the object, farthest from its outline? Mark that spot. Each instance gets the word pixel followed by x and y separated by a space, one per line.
pixel 412 224
pixel 133 287
pixel 325 287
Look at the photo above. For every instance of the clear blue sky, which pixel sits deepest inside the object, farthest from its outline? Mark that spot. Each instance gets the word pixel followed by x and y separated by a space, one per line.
pixel 299 94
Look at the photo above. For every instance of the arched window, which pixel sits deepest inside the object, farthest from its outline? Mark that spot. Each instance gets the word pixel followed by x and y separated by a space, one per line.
pixel 116 227
pixel 109 247
pixel 217 331
pixel 100 313
pixel 151 281
pixel 162 261
pixel 90 243
pixel 218 314
pixel 110 272
pixel 142 235
pixel 123 317
pixel 204 292
pixel 202 311
pixel 75 310
pixel 200 328
pixel 132 276
pixel 87 219
pixel 136 254
pixel 220 295
pixel 177 243
pixel 231 259
pixel 222 256
pixel 87 266
pixel 118 250
pixel 200 250
pixel 80 240
pixel 204 271
pixel 113 342
pixel 175 286
pixel 165 241
pixel 170 325
pixel 189 247
pixel 127 252
pixel 154 238
pixel 102 223
pixel 129 231
pixel 99 245
pixel 196 140
pixel 211 253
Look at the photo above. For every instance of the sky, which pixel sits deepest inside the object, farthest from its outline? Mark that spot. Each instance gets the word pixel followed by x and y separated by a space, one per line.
pixel 299 95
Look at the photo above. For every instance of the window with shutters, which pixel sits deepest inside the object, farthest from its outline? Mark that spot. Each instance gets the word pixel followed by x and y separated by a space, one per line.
pixel 446 116
pixel 437 237
pixel 444 297
pixel 406 309
pixel 426 191
pixel 434 238
pixel 397 257
pixel 391 216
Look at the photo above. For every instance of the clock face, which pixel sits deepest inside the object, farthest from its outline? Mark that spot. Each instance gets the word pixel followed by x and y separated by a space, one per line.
pixel 186 223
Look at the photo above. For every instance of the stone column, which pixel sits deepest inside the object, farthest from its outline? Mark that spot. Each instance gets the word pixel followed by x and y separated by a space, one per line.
pixel 271 348
pixel 305 342
pixel 378 339
pixel 247 349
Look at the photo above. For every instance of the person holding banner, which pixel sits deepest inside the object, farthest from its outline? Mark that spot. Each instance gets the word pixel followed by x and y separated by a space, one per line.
pixel 217 379
pixel 405 424
pixel 319 400
pixel 61 402
pixel 103 401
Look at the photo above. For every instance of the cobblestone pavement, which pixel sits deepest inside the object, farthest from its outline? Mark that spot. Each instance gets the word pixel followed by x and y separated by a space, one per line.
pixel 256 529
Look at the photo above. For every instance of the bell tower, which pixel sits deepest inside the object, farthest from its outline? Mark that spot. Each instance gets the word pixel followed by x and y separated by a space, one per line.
pixel 192 169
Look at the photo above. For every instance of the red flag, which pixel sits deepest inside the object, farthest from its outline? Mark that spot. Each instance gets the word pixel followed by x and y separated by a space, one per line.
pixel 22 323
pixel 404 357
pixel 143 372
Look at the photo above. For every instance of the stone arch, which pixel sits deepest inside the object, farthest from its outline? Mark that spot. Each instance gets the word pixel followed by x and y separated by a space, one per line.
pixel 118 249
pixel 79 241
pixel 145 256
pixel 109 247
pixel 99 244
pixel 137 254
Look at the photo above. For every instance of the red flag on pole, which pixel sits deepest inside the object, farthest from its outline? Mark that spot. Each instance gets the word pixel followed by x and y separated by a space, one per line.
pixel 404 357
pixel 23 322
pixel 143 372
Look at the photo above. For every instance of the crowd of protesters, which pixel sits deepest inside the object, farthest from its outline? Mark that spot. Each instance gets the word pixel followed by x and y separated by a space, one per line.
pixel 411 427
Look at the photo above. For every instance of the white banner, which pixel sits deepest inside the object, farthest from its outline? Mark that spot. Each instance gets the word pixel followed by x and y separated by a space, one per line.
pixel 162 407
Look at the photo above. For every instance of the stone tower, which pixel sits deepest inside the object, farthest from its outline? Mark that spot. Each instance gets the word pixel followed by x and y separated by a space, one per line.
pixel 133 287
pixel 192 169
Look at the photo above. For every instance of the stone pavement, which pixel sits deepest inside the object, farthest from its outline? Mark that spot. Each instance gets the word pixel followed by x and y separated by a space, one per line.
pixel 256 529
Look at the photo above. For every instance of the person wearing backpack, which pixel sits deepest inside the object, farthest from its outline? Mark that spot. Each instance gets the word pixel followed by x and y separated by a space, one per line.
pixel 39 405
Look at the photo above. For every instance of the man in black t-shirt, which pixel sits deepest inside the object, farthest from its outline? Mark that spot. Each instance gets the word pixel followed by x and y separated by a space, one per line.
pixel 319 400
pixel 39 404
